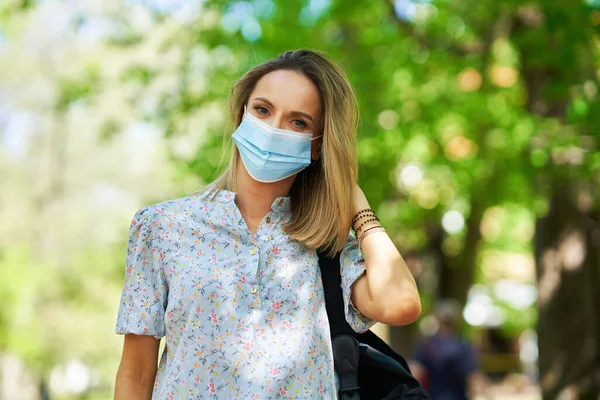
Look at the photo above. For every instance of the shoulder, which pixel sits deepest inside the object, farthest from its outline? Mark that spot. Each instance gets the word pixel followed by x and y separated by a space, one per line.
pixel 174 210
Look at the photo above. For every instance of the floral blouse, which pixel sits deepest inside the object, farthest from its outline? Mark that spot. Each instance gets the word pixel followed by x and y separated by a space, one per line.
pixel 243 315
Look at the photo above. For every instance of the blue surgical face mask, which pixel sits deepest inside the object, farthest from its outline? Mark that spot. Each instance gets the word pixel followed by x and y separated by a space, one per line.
pixel 270 154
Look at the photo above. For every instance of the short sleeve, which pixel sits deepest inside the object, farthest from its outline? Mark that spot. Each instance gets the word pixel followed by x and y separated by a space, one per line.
pixel 352 266
pixel 144 296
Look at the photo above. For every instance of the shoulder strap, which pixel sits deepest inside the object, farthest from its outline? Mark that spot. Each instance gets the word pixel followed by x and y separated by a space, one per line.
pixel 345 341
pixel 343 337
pixel 334 301
pixel 346 356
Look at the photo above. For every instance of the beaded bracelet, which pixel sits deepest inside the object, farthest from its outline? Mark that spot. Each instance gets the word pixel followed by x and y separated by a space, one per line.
pixel 360 221
pixel 366 222
pixel 357 216
pixel 369 232
pixel 365 215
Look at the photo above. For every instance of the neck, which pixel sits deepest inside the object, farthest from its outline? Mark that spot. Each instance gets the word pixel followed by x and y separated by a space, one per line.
pixel 254 199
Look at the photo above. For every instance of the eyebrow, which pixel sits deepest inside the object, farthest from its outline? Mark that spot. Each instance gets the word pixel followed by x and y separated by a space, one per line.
pixel 299 113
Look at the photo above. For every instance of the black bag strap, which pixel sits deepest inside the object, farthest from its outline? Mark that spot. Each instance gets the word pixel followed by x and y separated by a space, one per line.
pixel 345 341
pixel 345 360
pixel 334 300
pixel 343 337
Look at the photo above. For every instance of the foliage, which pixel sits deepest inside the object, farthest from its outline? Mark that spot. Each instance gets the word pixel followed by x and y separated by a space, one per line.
pixel 118 104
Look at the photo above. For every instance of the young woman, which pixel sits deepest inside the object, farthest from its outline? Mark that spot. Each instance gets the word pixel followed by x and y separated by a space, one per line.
pixel 231 276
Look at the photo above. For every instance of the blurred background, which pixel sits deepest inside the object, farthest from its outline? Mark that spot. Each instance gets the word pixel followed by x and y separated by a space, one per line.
pixel 478 148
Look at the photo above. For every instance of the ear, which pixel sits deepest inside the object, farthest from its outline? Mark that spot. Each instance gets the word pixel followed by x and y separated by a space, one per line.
pixel 315 151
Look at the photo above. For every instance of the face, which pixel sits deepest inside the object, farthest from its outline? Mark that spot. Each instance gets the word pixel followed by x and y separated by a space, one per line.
pixel 287 100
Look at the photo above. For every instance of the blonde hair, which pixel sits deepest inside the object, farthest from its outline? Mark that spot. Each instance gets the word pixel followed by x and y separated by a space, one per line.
pixel 322 194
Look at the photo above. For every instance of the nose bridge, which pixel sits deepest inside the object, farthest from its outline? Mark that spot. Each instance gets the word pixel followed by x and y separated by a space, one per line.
pixel 278 120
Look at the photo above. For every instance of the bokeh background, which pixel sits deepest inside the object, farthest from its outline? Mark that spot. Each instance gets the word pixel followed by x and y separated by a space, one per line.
pixel 478 148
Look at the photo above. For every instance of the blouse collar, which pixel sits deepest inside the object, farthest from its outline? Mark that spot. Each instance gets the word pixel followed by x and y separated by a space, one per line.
pixel 279 205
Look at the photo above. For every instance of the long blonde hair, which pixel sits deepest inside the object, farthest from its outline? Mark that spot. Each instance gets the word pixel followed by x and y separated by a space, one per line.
pixel 322 194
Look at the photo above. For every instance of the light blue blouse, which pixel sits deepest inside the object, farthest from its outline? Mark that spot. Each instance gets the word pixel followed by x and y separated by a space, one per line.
pixel 244 316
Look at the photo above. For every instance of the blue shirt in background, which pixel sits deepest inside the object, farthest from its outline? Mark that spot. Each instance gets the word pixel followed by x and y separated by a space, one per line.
pixel 449 361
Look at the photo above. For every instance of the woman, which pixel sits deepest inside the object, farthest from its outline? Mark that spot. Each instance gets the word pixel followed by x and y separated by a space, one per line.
pixel 231 276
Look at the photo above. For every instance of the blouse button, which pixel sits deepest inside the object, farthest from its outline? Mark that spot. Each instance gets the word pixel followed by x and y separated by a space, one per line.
pixel 268 220
pixel 253 251
pixel 253 289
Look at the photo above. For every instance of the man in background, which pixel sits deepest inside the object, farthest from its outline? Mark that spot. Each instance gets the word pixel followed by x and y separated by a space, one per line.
pixel 449 364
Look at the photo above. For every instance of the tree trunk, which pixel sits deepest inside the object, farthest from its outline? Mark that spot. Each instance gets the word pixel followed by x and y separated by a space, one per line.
pixel 567 250
pixel 567 239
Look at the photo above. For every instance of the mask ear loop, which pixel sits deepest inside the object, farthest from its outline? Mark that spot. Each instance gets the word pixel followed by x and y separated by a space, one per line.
pixel 314 162
pixel 243 115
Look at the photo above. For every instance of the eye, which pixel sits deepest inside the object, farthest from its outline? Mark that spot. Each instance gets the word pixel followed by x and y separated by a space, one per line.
pixel 261 110
pixel 298 123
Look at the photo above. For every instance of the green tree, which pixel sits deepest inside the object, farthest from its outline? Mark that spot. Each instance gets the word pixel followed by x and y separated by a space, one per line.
pixel 483 115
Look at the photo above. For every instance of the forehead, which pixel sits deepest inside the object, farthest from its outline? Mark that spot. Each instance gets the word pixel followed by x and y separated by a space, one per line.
pixel 289 91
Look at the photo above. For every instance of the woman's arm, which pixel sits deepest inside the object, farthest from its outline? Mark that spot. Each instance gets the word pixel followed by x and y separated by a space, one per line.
pixel 137 371
pixel 387 293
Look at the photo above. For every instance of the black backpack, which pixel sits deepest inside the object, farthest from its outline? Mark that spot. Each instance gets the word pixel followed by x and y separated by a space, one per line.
pixel 367 368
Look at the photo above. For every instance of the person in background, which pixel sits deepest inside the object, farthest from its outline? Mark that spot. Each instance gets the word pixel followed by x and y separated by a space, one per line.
pixel 448 364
